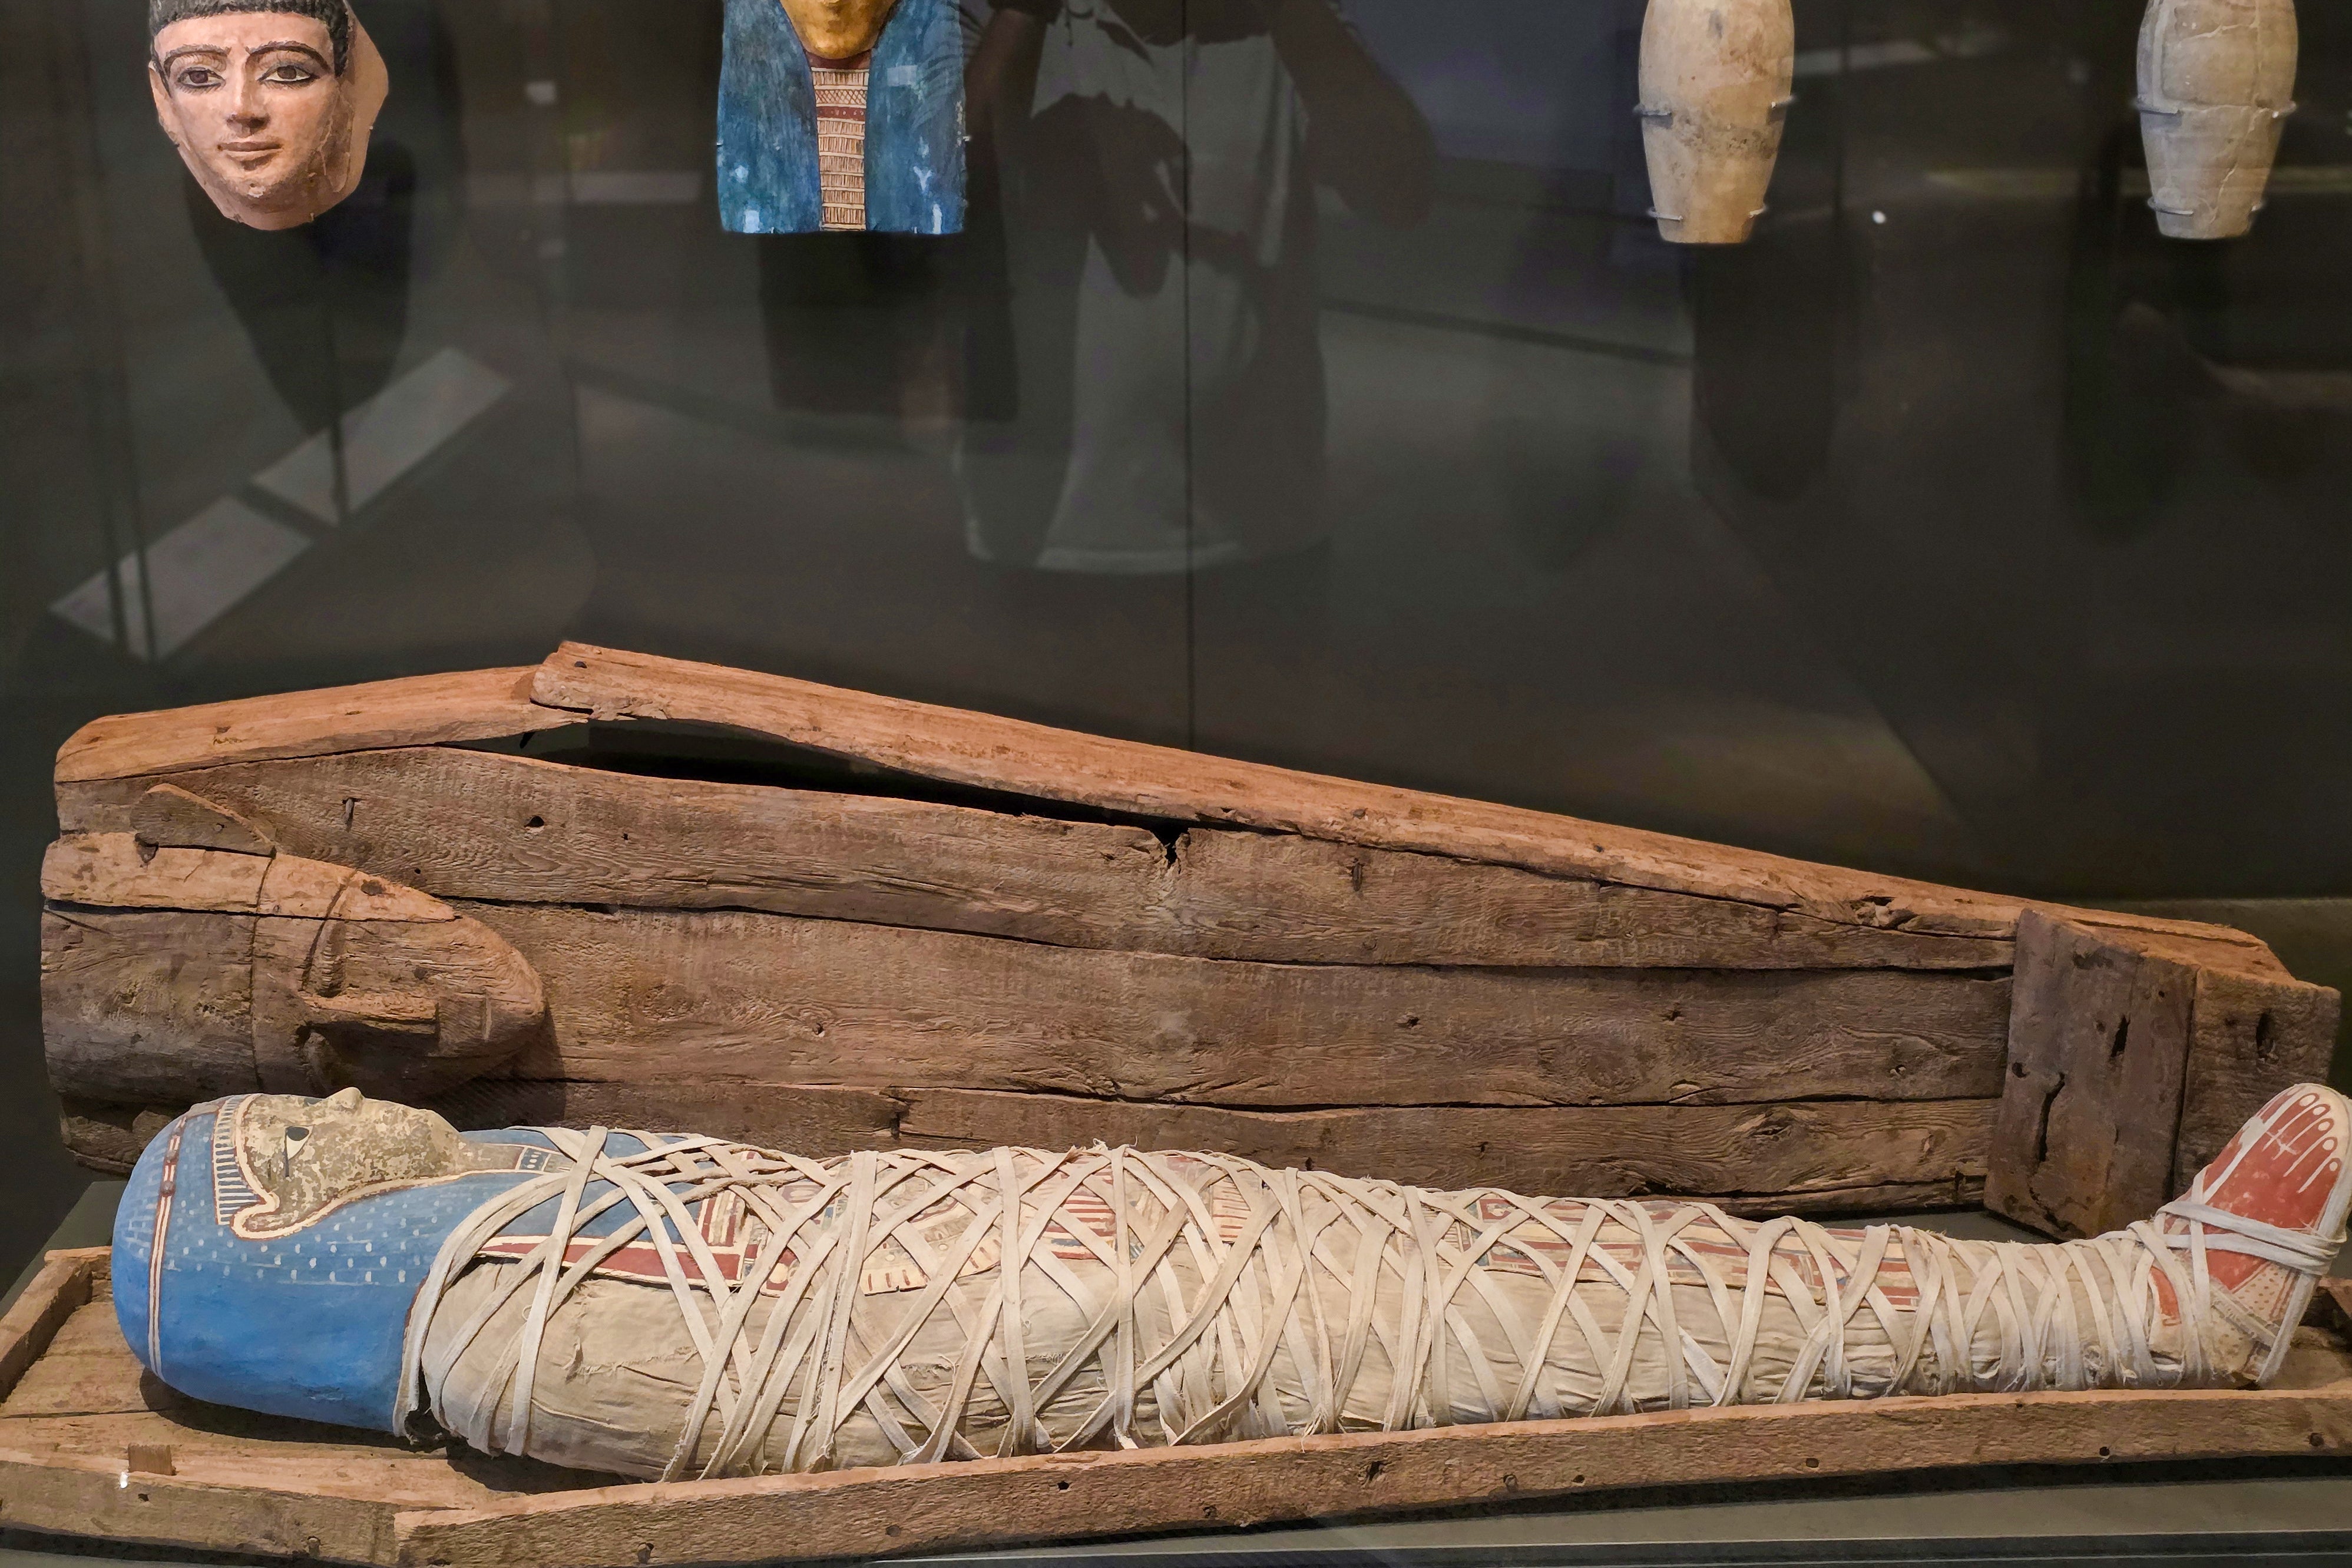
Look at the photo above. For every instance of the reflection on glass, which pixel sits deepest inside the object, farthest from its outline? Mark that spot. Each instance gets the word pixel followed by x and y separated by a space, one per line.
pixel 1157 164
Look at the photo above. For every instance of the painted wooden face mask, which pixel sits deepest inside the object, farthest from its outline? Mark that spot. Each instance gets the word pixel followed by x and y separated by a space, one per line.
pixel 842 114
pixel 270 106
pixel 838 30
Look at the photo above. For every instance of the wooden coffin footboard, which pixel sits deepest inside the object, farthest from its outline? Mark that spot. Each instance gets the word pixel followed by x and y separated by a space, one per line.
pixel 92 1447
pixel 625 890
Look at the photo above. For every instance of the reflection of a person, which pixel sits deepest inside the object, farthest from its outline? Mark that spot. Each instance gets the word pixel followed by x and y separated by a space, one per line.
pixel 1159 163
pixel 270 102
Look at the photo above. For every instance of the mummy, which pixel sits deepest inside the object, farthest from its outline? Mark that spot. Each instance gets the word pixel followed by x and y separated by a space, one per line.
pixel 666 1307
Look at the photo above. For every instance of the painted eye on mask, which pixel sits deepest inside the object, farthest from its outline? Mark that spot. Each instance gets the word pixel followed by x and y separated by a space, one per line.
pixel 296 1138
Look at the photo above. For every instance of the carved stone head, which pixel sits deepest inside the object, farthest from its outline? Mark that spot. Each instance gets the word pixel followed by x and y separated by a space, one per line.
pixel 270 102
pixel 838 30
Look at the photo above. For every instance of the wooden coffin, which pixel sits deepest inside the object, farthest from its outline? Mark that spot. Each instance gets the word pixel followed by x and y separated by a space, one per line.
pixel 622 889
pixel 92 1447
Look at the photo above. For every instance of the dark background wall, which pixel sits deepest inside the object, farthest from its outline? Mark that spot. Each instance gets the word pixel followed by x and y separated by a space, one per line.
pixel 1958 525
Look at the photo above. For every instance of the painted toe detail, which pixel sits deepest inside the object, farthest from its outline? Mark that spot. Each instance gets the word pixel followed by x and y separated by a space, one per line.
pixel 2267 1216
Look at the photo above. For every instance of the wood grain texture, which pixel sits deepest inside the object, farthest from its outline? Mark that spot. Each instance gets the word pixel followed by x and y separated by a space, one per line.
pixel 2194 950
pixel 1247 938
pixel 640 995
pixel 477 826
pixel 112 872
pixel 2252 1036
pixel 213 1445
pixel 473 824
pixel 1005 755
pixel 999 1502
pixel 579 682
pixel 82 1372
pixel 158 961
pixel 1827 1157
pixel 422 710
pixel 147 1006
pixel 64 1285
pixel 118 871
pixel 1283 899
pixel 2098 1050
pixel 167 815
pixel 1793 1157
pixel 84 1495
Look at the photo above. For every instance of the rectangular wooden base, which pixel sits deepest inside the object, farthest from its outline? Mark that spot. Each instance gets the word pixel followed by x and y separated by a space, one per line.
pixel 90 1446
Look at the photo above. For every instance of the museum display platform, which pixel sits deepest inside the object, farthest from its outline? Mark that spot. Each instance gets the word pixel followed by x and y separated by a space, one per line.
pixel 2276 1505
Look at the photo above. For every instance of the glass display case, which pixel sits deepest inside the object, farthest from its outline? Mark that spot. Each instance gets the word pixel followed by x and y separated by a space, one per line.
pixel 1306 382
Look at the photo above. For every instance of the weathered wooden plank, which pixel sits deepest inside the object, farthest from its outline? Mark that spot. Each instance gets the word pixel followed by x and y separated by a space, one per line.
pixel 1005 755
pixel 2208 947
pixel 85 1370
pixel 987 752
pixel 2132 1063
pixel 1801 1158
pixel 65 1284
pixel 156 1004
pixel 1283 899
pixel 1782 1154
pixel 219 1446
pixel 421 710
pixel 238 1511
pixel 119 871
pixel 403 1010
pixel 2252 1037
pixel 109 870
pixel 473 824
pixel 147 1006
pixel 164 814
pixel 999 1502
pixel 637 995
pixel 92 1329
pixel 2098 1049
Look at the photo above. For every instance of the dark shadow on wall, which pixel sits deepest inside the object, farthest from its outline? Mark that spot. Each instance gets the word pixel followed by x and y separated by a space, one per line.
pixel 2133 377
pixel 1765 322
pixel 326 305
pixel 856 323
pixel 65 489
pixel 1769 318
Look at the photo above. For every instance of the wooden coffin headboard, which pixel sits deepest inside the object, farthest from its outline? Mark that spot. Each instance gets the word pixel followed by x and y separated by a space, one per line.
pixel 631 890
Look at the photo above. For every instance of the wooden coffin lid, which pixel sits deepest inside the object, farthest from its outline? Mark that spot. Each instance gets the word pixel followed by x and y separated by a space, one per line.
pixel 580 682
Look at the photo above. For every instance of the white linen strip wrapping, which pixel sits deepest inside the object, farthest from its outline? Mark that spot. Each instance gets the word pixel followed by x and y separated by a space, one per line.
pixel 1243 1266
